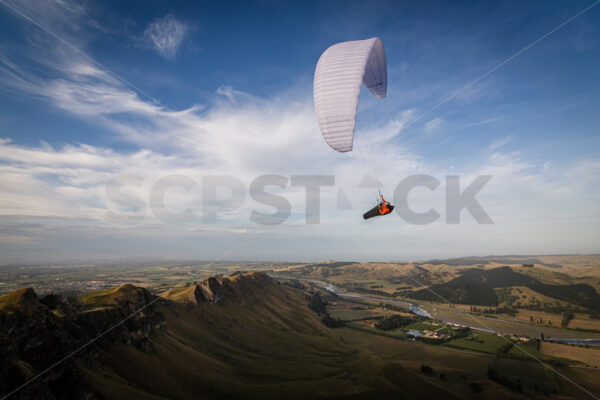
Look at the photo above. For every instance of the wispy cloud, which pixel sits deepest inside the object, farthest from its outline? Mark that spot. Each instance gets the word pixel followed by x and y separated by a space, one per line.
pixel 499 142
pixel 483 122
pixel 166 35
pixel 234 95
pixel 245 139
pixel 433 125
pixel 53 198
pixel 227 91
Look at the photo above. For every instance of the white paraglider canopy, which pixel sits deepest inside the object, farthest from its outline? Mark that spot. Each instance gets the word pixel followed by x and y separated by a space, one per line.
pixel 340 72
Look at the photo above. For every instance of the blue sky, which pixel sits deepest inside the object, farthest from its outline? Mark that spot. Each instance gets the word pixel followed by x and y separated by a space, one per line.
pixel 242 72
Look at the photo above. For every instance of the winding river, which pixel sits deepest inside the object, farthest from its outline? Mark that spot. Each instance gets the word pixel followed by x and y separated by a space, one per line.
pixel 460 317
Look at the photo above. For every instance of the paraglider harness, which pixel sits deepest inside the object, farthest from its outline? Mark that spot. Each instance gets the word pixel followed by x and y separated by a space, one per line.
pixel 382 208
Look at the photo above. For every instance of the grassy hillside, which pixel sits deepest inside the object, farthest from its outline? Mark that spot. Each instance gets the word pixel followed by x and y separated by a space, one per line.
pixel 241 337
pixel 260 341
pixel 23 301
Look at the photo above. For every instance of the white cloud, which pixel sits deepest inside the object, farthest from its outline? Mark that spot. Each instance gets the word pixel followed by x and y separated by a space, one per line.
pixel 244 140
pixel 433 125
pixel 258 137
pixel 55 196
pixel 166 35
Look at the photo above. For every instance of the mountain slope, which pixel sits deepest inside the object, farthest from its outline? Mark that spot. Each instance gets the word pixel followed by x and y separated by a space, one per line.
pixel 238 337
pixel 244 336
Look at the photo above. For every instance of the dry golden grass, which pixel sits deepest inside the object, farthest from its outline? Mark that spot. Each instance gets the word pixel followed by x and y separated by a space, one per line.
pixel 112 296
pixel 372 273
pixel 582 321
pixel 529 297
pixel 589 356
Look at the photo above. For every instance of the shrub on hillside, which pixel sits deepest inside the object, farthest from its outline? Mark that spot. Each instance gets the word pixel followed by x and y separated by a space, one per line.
pixel 427 370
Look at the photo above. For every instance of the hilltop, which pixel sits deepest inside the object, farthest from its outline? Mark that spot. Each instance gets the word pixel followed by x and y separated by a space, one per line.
pixel 22 301
pixel 252 286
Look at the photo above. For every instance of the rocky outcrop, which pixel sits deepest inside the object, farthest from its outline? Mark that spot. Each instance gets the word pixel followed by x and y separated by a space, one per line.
pixel 209 290
pixel 32 338
pixel 239 288
pixel 212 290
pixel 37 333
pixel 62 303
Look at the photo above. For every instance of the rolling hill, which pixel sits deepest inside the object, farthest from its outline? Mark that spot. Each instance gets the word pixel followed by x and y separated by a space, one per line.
pixel 244 336
pixel 476 286
pixel 239 337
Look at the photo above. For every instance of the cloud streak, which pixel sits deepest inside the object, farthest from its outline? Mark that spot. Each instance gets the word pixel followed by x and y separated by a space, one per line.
pixel 499 142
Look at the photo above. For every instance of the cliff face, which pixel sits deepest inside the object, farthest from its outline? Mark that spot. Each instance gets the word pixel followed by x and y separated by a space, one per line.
pixel 209 290
pixel 37 333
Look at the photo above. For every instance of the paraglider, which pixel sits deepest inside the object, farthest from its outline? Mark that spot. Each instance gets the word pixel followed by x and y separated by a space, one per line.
pixel 383 208
pixel 341 71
